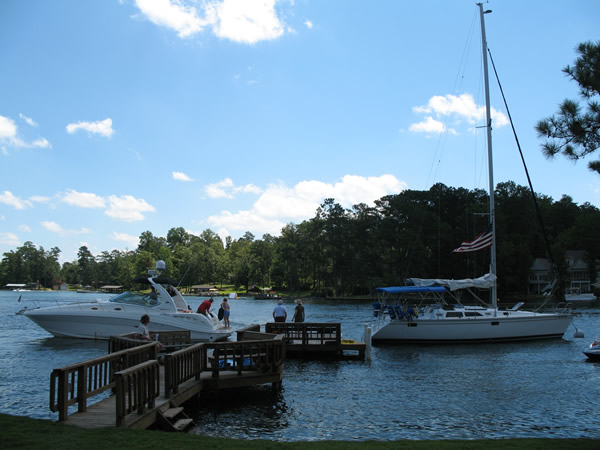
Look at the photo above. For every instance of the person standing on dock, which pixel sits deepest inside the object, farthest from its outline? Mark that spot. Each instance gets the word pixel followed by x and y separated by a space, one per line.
pixel 279 312
pixel 226 312
pixel 299 312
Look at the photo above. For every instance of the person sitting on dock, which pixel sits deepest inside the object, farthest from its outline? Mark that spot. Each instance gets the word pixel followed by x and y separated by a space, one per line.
pixel 205 307
pixel 299 312
pixel 279 312
pixel 142 331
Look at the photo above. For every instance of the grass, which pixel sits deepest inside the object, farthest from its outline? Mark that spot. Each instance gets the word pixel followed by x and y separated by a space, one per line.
pixel 23 432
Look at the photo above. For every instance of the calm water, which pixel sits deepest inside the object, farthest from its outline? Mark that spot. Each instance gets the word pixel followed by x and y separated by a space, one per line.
pixel 537 389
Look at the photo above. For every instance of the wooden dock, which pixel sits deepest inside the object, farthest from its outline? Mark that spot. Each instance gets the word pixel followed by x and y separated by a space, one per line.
pixel 139 390
pixel 309 339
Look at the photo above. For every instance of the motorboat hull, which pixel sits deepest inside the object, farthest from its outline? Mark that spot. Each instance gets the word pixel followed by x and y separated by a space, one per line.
pixel 529 326
pixel 102 320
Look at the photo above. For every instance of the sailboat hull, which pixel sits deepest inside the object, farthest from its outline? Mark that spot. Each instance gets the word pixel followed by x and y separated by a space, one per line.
pixel 522 327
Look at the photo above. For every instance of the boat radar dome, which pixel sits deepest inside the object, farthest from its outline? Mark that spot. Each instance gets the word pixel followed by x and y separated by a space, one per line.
pixel 160 265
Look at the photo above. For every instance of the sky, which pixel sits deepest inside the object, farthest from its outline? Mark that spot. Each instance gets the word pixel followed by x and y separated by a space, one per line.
pixel 124 116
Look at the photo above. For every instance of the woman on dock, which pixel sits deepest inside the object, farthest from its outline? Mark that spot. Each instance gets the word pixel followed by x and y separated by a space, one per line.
pixel 226 312
pixel 299 312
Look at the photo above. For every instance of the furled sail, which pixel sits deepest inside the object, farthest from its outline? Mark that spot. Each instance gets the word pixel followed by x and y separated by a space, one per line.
pixel 484 282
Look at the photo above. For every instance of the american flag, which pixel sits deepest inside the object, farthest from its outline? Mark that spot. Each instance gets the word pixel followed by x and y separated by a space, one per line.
pixel 483 240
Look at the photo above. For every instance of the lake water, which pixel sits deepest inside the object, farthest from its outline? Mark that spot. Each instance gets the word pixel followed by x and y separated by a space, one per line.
pixel 535 389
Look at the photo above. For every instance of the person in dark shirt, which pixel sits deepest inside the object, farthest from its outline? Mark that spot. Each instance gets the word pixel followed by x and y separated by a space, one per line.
pixel 299 312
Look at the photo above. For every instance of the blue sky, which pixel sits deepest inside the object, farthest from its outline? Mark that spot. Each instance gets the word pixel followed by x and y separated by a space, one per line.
pixel 119 117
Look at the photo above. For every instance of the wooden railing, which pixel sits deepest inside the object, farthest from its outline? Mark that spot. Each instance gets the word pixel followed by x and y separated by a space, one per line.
pixel 252 333
pixel 136 388
pixel 76 383
pixel 170 340
pixel 183 365
pixel 133 371
pixel 264 355
pixel 307 333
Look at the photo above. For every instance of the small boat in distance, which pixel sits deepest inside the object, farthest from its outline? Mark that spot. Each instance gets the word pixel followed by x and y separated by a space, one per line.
pixel 575 295
pixel 100 319
pixel 593 351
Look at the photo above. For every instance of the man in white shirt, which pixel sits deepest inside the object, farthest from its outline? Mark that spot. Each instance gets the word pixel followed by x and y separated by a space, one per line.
pixel 279 312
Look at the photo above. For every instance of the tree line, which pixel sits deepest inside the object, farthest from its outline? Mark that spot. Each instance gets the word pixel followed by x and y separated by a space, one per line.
pixel 342 252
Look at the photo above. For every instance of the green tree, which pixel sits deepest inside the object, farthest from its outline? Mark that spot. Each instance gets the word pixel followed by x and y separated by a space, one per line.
pixel 572 132
pixel 86 266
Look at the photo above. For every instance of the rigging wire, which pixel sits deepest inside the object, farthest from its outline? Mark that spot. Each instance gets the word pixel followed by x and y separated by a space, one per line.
pixel 439 149
pixel 535 202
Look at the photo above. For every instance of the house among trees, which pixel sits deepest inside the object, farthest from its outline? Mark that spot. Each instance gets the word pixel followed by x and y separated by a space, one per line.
pixel 578 273
pixel 204 290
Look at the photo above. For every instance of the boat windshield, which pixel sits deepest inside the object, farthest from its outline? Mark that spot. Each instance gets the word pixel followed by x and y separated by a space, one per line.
pixel 132 298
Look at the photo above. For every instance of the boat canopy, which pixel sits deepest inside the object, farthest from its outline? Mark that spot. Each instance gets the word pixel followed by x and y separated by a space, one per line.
pixel 484 282
pixel 411 289
pixel 160 280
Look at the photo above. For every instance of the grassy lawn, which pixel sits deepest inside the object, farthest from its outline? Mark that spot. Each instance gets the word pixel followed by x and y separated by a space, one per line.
pixel 23 432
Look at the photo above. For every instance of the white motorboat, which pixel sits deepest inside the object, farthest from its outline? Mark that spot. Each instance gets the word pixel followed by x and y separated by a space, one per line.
pixel 593 351
pixel 421 313
pixel 575 295
pixel 121 314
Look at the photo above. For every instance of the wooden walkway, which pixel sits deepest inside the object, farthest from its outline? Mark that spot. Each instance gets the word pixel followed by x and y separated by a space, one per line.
pixel 102 414
pixel 138 389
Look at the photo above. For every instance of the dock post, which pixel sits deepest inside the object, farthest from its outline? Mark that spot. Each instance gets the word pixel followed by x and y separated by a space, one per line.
pixel 368 342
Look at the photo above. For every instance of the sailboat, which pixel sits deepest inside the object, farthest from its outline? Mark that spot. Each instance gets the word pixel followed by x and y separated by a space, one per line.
pixel 431 311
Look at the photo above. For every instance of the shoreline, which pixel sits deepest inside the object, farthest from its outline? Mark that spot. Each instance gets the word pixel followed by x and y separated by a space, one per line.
pixel 24 432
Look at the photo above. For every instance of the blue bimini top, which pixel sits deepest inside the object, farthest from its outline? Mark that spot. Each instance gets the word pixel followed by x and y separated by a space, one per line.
pixel 411 289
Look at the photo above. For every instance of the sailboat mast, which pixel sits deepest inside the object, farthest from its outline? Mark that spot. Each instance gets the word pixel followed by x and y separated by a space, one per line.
pixel 488 126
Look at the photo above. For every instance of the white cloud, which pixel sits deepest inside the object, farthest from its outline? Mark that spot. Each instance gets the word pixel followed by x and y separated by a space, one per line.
pixel 29 120
pixel 429 125
pixel 218 190
pixel 172 14
pixel 245 21
pixel 280 204
pixel 132 242
pixel 180 176
pixel 9 135
pixel 56 228
pixel 9 239
pixel 83 199
pixel 226 189
pixel 101 127
pixel 127 208
pixel 40 143
pixel 8 198
pixel 39 199
pixel 24 228
pixel 308 24
pixel 460 108
pixel 8 129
